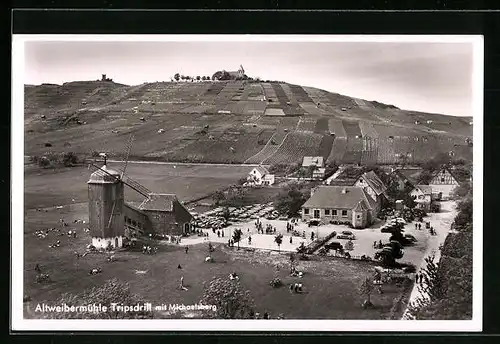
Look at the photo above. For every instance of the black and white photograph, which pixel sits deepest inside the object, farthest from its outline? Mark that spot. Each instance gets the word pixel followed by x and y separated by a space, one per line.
pixel 195 182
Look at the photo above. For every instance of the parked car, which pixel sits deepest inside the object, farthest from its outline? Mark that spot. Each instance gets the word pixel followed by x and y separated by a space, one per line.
pixel 346 235
pixel 334 245
pixel 410 237
pixel 314 223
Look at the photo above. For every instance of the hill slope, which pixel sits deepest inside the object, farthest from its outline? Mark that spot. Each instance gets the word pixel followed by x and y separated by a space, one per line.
pixel 232 122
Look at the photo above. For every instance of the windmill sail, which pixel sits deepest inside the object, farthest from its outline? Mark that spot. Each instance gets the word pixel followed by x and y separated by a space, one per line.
pixel 127 181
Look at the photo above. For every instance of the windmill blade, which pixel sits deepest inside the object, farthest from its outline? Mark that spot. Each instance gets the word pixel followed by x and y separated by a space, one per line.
pixel 136 186
pixel 127 181
pixel 128 148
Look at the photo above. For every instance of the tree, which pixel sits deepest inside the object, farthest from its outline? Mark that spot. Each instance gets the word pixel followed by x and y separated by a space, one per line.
pixel 293 262
pixel 463 219
pixel 404 159
pixel 229 298
pixel 218 196
pixel 390 253
pixel 69 159
pixel 366 290
pixel 349 246
pixel 291 199
pixel 310 171
pixel 242 181
pixel 177 76
pixel 226 213
pixel 112 291
pixel 237 234
pixel 278 239
pixel 198 77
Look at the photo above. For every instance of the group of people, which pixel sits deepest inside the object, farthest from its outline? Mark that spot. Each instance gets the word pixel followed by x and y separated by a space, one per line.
pixel 431 229
pixel 378 244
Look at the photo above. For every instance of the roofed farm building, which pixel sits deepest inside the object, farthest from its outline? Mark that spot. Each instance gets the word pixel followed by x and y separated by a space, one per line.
pixel 447 179
pixel 167 214
pixel 340 204
pixel 260 176
pixel 316 165
pixel 374 187
pixel 111 220
pixel 407 176
pixel 423 197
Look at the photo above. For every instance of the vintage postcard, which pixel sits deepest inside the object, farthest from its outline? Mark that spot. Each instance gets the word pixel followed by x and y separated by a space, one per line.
pixel 247 183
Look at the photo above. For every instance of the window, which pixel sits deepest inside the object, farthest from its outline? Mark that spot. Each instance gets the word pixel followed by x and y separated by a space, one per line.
pixel 334 212
pixel 316 213
pixel 344 213
pixel 327 211
pixel 358 216
pixel 306 211
pixel 442 180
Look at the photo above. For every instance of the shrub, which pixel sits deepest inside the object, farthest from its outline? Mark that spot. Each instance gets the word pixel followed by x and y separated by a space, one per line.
pixel 276 282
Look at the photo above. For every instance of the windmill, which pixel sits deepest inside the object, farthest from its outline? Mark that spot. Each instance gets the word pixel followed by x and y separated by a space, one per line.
pixel 108 178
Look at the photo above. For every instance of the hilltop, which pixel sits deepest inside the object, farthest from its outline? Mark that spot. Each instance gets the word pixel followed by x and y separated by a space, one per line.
pixel 232 122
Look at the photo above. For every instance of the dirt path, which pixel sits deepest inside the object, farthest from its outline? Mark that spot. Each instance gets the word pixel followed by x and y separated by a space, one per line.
pixel 442 224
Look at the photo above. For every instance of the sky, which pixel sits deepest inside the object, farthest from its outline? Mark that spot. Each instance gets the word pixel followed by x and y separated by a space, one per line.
pixel 428 77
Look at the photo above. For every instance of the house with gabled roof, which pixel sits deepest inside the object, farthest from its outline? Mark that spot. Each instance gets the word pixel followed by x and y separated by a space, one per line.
pixel 317 161
pixel 260 175
pixel 423 196
pixel 340 204
pixel 373 185
pixel 166 214
pixel 407 177
pixel 445 181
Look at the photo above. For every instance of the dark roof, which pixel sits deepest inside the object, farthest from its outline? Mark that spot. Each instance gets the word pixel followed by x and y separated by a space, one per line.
pixel 161 202
pixel 166 203
pixel 342 182
pixel 262 170
pixel 409 174
pixel 426 189
pixel 374 182
pixel 332 197
pixel 460 175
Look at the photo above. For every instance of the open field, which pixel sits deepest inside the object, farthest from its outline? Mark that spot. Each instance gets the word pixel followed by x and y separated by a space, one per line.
pixel 158 284
pixel 178 121
pixel 45 188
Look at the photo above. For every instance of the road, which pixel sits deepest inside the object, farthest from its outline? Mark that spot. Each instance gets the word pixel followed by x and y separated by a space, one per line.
pixel 442 224
pixel 178 163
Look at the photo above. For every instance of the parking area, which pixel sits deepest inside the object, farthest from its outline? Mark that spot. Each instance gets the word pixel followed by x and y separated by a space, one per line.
pixel 363 244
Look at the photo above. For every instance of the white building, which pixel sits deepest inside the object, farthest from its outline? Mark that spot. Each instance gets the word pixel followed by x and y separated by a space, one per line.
pixel 260 176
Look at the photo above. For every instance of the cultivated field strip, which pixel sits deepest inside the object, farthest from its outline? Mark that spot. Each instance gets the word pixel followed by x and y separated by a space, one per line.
pixel 354 144
pixel 321 126
pixel 269 149
pixel 367 129
pixel 363 104
pixel 386 154
pixel 295 146
pixel 269 93
pixel 255 92
pixel 325 146
pixel 306 124
pixel 369 157
pixel 335 126
pixel 288 93
pixel 299 94
pixel 352 157
pixel 312 109
pixel 282 98
pixel 351 128
pixel 338 150
pixel 339 101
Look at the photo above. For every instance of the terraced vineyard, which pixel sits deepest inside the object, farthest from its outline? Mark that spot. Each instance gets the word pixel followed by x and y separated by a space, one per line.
pixel 269 149
pixel 306 124
pixel 168 119
pixel 351 128
pixel 335 126
pixel 295 147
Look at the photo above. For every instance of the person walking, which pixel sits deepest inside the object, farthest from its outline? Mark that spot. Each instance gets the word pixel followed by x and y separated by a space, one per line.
pixel 186 249
pixel 291 239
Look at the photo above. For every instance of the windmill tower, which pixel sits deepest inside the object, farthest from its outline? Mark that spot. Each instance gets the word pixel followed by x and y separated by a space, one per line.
pixel 106 202
pixel 241 72
pixel 106 220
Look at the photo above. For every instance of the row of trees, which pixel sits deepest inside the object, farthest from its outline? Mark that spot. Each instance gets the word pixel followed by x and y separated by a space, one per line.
pixel 178 76
pixel 52 159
